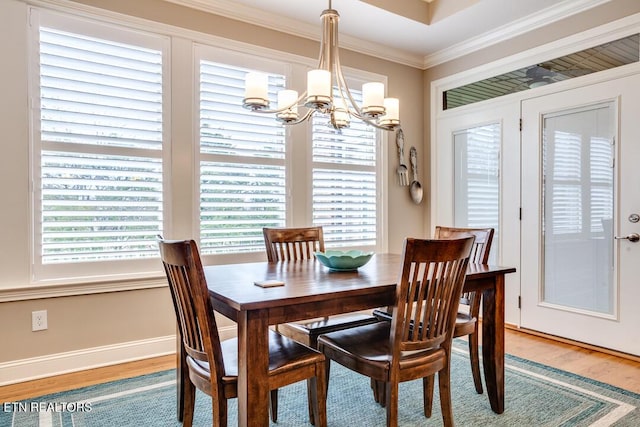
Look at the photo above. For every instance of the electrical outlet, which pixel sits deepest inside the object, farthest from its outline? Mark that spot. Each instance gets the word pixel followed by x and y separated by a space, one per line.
pixel 39 320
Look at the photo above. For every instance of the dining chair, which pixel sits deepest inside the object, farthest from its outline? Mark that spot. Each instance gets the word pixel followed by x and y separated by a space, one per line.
pixel 293 244
pixel 212 363
pixel 427 294
pixel 469 308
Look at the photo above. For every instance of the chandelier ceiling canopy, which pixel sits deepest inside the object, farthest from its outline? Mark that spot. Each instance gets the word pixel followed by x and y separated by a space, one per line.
pixel 340 106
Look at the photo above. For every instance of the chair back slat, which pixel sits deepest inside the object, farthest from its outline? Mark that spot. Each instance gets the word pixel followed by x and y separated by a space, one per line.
pixel 292 244
pixel 194 311
pixel 481 246
pixel 479 253
pixel 428 292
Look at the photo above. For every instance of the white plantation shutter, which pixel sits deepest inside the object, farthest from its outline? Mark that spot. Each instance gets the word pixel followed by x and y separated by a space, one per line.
pixel 564 183
pixel 100 141
pixel 242 163
pixel 98 207
pixel 580 183
pixel 601 168
pixel 477 179
pixel 345 182
pixel 101 111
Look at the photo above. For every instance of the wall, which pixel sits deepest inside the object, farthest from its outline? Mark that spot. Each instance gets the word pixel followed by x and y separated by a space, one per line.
pixel 123 324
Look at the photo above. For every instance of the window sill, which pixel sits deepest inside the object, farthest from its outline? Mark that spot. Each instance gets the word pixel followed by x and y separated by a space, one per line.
pixel 66 290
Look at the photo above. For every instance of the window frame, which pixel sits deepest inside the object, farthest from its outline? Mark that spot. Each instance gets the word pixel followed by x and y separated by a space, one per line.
pixel 355 80
pixel 216 54
pixel 176 45
pixel 298 147
pixel 85 272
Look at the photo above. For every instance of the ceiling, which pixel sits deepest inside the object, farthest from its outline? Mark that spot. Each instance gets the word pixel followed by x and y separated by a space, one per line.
pixel 420 33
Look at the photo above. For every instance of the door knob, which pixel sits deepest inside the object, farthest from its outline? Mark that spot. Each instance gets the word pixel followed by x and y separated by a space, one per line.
pixel 633 237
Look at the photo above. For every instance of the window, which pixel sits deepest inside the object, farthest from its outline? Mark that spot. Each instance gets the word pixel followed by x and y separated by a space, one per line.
pixel 477 183
pixel 245 165
pixel 606 56
pixel 99 193
pixel 345 181
pixel 578 168
pixel 103 155
pixel 242 163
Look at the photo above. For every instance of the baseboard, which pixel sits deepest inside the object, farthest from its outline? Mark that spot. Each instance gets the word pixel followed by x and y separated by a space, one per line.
pixel 17 371
pixel 61 363
pixel 568 341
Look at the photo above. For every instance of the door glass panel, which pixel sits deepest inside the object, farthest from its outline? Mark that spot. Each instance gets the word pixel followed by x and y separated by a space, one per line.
pixel 476 180
pixel 578 189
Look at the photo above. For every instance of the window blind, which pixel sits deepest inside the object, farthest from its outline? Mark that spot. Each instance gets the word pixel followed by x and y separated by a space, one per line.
pixel 344 181
pixel 601 168
pixel 242 163
pixel 101 148
pixel 477 177
pixel 581 186
pixel 477 180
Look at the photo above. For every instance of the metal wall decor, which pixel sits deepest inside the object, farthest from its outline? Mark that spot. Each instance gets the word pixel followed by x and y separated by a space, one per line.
pixel 415 188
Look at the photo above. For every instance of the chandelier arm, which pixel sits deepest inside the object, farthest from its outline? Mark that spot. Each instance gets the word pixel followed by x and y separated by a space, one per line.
pixel 343 87
pixel 306 116
pixel 321 58
pixel 357 113
pixel 329 60
pixel 280 110
pixel 374 124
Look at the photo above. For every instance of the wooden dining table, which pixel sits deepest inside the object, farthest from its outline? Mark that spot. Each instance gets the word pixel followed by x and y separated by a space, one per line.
pixel 312 290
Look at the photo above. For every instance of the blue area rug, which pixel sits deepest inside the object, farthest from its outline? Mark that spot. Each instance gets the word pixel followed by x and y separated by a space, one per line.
pixel 536 395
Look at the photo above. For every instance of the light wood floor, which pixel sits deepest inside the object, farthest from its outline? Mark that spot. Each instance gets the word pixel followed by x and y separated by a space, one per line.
pixel 617 371
pixel 623 372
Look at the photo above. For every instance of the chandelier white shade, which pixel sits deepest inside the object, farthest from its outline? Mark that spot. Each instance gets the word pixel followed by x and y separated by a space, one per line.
pixel 327 91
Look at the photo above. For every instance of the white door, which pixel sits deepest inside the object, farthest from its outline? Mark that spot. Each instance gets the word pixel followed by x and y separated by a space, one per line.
pixel 580 265
pixel 474 184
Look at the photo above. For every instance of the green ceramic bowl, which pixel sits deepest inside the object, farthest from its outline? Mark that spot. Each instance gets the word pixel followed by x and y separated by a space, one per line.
pixel 344 260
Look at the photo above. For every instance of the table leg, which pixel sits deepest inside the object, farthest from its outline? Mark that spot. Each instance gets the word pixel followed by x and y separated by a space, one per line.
pixel 253 368
pixel 493 343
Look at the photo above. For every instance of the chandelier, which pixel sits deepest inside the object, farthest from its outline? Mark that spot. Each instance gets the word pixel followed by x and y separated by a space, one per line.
pixel 376 110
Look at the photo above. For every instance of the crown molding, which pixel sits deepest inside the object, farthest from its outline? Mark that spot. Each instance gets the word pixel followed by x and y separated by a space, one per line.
pixel 239 12
pixel 532 22
pixel 233 10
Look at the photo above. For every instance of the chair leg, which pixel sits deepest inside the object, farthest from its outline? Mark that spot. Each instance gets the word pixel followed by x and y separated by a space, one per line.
pixel 382 393
pixel 317 389
pixel 327 370
pixel 392 403
pixel 273 407
pixel 317 396
pixel 220 419
pixel 444 382
pixel 189 402
pixel 374 389
pixel 427 395
pixel 475 360
pixel 378 388
pixel 311 400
